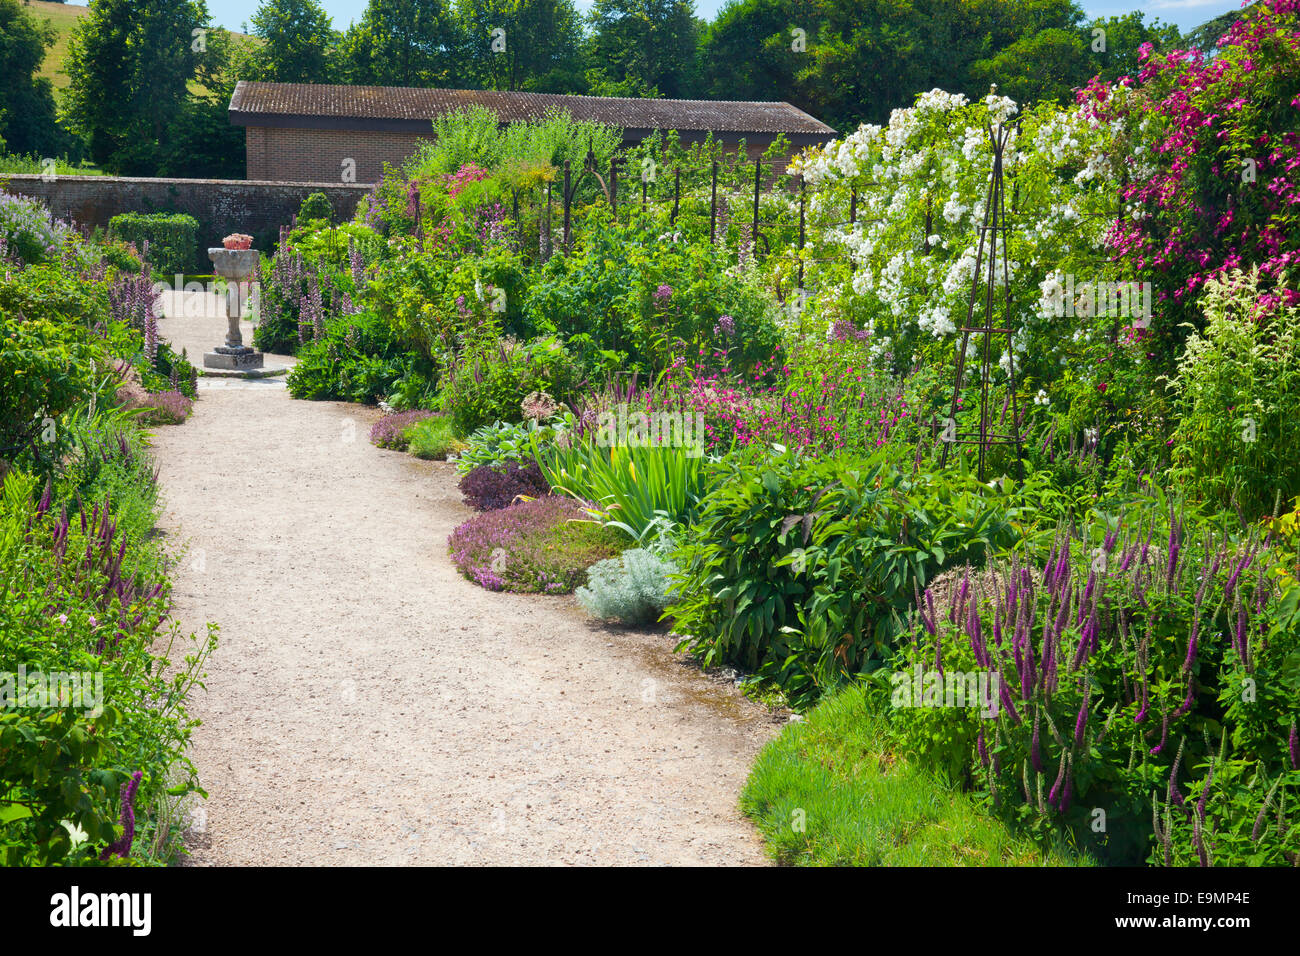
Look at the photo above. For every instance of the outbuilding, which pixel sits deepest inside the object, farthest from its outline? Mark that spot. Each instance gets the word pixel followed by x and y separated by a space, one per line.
pixel 304 132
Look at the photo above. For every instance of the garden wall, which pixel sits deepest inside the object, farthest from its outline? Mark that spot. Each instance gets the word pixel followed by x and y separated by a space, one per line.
pixel 221 206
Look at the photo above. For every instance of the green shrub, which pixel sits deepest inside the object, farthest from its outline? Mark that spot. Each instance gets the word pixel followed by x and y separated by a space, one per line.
pixel 490 383
pixel 433 438
pixel 173 238
pixel 1236 393
pixel 49 361
pixel 59 796
pixel 632 588
pixel 315 207
pixel 804 570
pixel 828 792
pixel 26 229
pixel 358 360
pixel 627 291
pixel 83 598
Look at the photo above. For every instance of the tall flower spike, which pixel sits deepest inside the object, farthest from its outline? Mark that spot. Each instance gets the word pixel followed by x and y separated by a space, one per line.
pixel 1081 721
pixel 122 846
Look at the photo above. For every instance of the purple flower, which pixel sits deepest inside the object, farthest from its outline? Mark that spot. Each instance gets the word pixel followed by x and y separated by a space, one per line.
pixel 1035 753
pixel 1293 745
pixel 662 294
pixel 1081 721
pixel 122 846
pixel 726 326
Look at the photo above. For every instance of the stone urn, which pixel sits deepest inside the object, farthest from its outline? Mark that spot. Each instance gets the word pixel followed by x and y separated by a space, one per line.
pixel 237 267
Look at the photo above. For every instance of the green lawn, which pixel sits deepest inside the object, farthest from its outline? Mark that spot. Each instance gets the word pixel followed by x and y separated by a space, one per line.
pixel 64 16
pixel 859 805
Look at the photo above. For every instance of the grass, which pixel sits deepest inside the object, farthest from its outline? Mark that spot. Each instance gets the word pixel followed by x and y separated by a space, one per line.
pixel 862 806
pixel 433 438
pixel 64 17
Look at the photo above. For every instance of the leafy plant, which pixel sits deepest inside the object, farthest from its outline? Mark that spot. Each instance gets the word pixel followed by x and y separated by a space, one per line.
pixel 632 588
pixel 502 443
pixel 1237 441
pixel 489 487
pixel 630 487
pixel 804 570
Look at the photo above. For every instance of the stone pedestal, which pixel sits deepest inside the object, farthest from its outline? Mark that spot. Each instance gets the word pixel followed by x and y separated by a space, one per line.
pixel 236 266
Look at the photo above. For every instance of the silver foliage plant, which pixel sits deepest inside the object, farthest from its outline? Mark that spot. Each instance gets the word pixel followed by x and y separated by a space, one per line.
pixel 632 588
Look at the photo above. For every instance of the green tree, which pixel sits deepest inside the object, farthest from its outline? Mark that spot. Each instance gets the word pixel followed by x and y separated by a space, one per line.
pixel 1123 36
pixel 1047 65
pixel 204 143
pixel 749 51
pixel 652 43
pixel 404 43
pixel 540 48
pixel 299 43
pixel 27 114
pixel 130 64
pixel 849 61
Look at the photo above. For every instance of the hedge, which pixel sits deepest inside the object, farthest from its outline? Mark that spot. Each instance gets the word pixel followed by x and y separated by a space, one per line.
pixel 172 238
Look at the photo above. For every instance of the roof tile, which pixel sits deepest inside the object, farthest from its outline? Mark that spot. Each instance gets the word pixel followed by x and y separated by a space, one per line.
pixel 411 103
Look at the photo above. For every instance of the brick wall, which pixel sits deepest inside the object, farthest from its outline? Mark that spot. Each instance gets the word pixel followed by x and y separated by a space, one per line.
pixel 221 206
pixel 319 155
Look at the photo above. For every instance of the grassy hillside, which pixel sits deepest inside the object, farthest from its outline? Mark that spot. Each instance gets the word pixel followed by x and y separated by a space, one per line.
pixel 64 16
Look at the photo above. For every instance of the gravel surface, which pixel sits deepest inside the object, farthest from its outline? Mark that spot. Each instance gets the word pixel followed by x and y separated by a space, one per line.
pixel 368 706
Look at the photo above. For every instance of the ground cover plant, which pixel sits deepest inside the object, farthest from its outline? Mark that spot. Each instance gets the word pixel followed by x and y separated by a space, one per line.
pixel 543 545
pixel 488 487
pixel 394 429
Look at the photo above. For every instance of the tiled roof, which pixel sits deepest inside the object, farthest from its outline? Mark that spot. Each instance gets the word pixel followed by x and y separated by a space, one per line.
pixel 300 100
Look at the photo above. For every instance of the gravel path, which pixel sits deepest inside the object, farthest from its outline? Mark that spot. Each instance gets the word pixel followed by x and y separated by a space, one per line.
pixel 367 705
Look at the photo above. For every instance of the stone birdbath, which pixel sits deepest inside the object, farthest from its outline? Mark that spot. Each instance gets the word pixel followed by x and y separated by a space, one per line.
pixel 236 266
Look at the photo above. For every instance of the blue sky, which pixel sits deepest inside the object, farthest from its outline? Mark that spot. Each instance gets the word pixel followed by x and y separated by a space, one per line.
pixel 1185 13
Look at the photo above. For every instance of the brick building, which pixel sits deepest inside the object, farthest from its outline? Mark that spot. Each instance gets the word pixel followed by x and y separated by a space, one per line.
pixel 302 132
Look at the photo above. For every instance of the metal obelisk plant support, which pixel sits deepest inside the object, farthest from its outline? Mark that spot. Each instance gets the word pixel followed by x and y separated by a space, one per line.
pixel 995 224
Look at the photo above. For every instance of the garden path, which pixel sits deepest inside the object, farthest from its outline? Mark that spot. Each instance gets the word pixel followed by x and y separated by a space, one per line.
pixel 368 705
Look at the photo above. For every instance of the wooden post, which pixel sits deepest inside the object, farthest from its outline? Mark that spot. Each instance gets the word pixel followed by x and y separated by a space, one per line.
pixel 567 197
pixel 613 187
pixel 519 227
pixel 758 179
pixel 853 206
pixel 677 192
pixel 803 201
pixel 713 206
pixel 546 224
